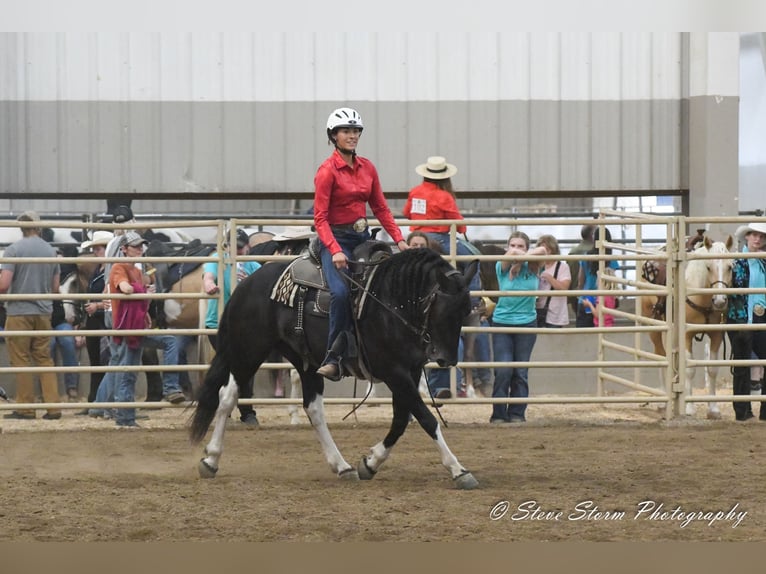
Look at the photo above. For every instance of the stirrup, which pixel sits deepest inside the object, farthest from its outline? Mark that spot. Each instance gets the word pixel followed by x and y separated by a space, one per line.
pixel 330 371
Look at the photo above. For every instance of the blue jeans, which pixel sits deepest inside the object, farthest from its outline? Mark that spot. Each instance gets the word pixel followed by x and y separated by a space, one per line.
pixel 340 306
pixel 125 382
pixel 68 355
pixel 105 392
pixel 169 346
pixel 481 352
pixel 438 379
pixel 511 381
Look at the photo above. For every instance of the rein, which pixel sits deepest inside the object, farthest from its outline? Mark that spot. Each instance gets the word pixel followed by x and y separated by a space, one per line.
pixel 707 311
pixel 422 333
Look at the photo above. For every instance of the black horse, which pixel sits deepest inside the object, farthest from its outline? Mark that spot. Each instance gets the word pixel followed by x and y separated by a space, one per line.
pixel 414 305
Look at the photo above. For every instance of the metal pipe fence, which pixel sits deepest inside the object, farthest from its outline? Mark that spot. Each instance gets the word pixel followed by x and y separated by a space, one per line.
pixel 642 375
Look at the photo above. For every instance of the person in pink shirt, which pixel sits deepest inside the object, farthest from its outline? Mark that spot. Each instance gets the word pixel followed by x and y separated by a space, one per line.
pixel 343 187
pixel 609 301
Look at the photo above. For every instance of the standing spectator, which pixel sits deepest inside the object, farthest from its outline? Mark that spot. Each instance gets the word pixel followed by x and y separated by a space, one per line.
pixel 343 186
pixel 434 198
pixel 748 309
pixel 66 344
pixel 210 285
pixel 588 278
pixel 417 240
pixel 585 245
pixel 609 301
pixel 554 276
pixel 94 310
pixel 514 311
pixel 128 314
pixel 33 314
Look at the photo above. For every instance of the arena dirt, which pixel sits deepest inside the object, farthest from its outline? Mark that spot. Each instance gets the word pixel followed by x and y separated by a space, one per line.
pixel 574 472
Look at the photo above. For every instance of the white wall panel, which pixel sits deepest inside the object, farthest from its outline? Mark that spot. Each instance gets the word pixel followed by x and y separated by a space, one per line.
pixel 270 67
pixel 482 63
pixel 575 69
pixel 545 66
pixel 607 71
pixel 356 66
pixel 514 66
pixel 246 111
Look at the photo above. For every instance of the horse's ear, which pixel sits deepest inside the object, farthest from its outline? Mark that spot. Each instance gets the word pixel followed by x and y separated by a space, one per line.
pixel 470 270
pixel 729 242
pixel 708 242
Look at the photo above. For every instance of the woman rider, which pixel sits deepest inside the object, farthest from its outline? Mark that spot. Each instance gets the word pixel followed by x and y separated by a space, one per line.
pixel 343 186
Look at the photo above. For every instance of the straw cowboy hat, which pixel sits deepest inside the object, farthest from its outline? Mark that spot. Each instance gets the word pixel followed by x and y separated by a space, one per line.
pixel 743 230
pixel 294 233
pixel 99 238
pixel 436 167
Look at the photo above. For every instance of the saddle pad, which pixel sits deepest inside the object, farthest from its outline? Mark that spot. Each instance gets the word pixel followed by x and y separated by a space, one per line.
pixel 654 272
pixel 285 289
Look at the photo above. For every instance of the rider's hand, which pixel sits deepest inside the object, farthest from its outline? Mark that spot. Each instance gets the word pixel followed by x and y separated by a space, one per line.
pixel 339 260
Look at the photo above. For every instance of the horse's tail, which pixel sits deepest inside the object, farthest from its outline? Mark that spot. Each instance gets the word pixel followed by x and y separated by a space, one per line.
pixel 207 397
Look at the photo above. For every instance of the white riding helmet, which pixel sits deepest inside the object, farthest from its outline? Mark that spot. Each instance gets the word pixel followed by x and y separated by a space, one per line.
pixel 344 118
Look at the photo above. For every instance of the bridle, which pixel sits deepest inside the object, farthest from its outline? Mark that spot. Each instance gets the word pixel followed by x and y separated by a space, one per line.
pixel 707 311
pixel 423 333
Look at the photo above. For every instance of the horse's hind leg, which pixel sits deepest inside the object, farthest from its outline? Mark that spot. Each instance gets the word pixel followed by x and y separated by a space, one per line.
pixel 227 400
pixel 313 405
pixel 295 393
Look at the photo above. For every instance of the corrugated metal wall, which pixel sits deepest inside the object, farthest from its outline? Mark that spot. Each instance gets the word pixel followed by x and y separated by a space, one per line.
pixel 91 113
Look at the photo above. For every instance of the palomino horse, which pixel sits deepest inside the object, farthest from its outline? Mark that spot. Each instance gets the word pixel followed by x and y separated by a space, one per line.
pixel 703 308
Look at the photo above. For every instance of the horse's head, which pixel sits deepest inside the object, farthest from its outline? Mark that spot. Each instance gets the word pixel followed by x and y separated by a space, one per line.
pixel 718 270
pixel 446 307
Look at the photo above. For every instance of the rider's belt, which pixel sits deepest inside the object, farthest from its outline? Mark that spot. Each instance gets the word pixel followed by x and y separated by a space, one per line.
pixel 759 310
pixel 360 226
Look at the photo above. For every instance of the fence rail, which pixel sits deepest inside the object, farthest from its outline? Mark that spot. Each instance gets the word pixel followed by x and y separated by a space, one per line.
pixel 626 366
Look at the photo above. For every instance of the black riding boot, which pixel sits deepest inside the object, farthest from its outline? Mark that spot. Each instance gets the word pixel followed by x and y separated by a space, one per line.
pixel 741 384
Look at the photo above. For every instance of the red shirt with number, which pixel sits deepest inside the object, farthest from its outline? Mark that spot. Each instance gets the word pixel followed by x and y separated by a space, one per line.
pixel 429 201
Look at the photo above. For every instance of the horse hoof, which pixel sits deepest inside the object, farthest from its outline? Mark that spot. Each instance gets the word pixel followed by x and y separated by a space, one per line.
pixel 205 470
pixel 714 416
pixel 365 472
pixel 349 474
pixel 466 481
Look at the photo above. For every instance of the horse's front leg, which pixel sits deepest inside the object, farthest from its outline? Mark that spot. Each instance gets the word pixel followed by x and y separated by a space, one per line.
pixel 313 405
pixel 691 408
pixel 406 402
pixel 295 393
pixel 712 347
pixel 227 400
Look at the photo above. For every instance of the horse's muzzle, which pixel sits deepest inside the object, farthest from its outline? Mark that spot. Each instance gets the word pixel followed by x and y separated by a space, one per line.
pixel 720 302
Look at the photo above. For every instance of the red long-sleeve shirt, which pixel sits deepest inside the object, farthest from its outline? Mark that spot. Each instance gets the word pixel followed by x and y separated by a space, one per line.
pixel 429 201
pixel 341 195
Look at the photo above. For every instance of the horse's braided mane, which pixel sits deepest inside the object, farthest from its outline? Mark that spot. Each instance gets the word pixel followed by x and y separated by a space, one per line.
pixel 407 277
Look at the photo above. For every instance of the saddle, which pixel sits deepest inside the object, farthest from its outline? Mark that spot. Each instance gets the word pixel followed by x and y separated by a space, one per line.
pixel 168 274
pixel 655 272
pixel 303 287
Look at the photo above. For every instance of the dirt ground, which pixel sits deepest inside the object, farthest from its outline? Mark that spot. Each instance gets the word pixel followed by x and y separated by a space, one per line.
pixel 574 472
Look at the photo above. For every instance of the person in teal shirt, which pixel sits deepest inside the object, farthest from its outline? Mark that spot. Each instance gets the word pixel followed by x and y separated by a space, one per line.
pixel 211 287
pixel 514 311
